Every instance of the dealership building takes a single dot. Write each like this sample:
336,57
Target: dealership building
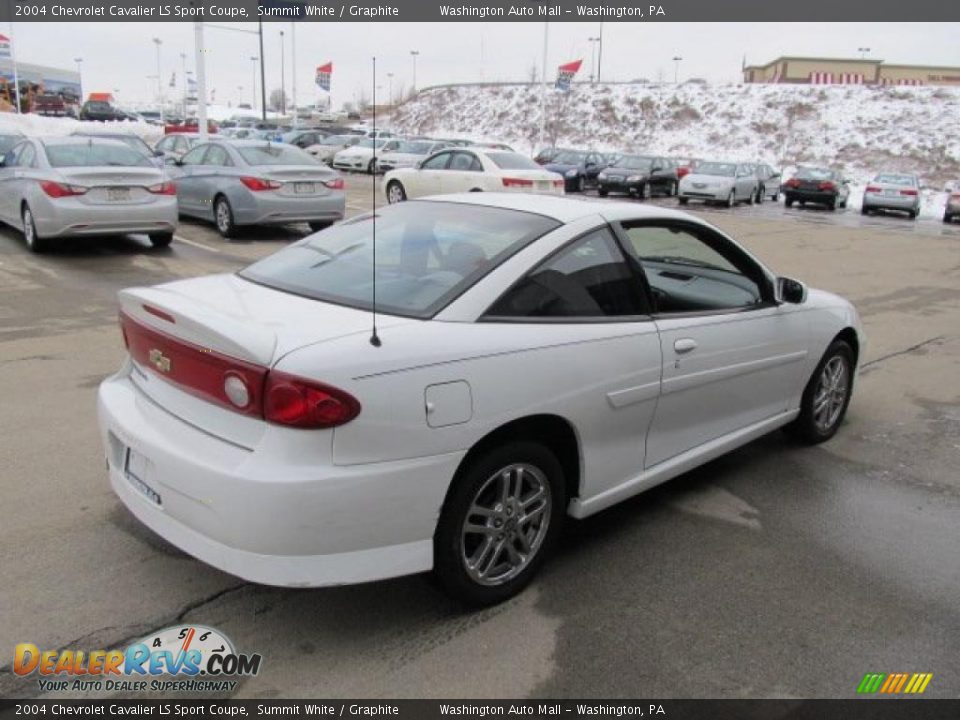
42,78
840,71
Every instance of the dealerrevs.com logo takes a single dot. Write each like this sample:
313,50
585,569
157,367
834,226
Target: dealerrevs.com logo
178,658
894,683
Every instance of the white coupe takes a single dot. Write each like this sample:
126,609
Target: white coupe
533,358
470,169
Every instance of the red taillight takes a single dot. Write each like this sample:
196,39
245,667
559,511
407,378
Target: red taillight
793,182
873,189
955,196
238,385
911,193
61,190
681,171
517,182
827,185
293,401
337,184
558,183
164,188
259,184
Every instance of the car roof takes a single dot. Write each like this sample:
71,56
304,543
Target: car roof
562,209
78,140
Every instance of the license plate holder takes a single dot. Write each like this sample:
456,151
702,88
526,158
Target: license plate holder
118,194
304,188
136,467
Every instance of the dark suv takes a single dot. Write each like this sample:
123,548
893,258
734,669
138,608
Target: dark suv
821,186
640,175
101,110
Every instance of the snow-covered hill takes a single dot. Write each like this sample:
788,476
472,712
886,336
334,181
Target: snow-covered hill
861,128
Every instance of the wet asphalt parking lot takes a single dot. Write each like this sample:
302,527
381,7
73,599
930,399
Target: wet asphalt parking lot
776,571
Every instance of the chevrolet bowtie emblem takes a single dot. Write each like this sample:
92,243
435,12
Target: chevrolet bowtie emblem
159,361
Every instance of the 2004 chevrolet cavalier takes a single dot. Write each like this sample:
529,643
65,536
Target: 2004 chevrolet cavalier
539,357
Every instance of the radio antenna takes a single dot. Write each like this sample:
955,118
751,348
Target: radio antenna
374,338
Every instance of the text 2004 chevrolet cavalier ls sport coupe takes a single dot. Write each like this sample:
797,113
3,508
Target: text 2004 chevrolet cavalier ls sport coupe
540,357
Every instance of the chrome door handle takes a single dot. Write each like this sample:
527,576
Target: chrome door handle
684,345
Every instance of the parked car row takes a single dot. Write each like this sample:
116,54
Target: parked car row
96,184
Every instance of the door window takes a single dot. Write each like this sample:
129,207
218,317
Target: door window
465,161
693,269
589,279
216,155
194,157
437,162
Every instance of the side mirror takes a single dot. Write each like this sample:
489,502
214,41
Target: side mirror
158,153
656,168
790,291
418,165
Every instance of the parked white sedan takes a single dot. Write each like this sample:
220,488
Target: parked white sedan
470,169
533,358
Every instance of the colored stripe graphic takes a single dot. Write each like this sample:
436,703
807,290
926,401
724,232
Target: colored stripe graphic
894,683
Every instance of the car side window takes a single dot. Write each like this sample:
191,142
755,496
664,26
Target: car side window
182,145
27,156
216,155
12,158
588,279
194,157
437,162
465,161
693,269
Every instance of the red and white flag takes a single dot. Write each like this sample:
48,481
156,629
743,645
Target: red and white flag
323,76
5,47
565,74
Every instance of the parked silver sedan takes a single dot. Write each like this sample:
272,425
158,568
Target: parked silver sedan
720,182
892,191
71,186
255,182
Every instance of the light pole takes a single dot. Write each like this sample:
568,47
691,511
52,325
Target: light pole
254,59
283,79
390,89
158,42
293,69
599,51
413,54
79,62
676,69
183,60
593,52
863,52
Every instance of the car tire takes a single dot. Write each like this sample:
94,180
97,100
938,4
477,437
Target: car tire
674,189
35,243
832,205
760,195
602,191
581,184
913,214
319,225
161,240
947,217
864,210
372,167
395,192
498,574
752,200
788,202
645,191
776,196
731,199
815,425
683,200
223,217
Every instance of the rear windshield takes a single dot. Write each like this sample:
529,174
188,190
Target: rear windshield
814,174
95,154
714,168
414,148
428,253
275,155
134,143
569,158
891,179
512,161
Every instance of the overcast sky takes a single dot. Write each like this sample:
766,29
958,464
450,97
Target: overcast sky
120,56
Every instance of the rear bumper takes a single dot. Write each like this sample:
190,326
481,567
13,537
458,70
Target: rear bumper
621,186
891,202
273,209
707,194
67,218
261,516
811,196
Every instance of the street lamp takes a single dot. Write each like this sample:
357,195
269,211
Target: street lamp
593,50
863,51
676,69
254,59
158,42
79,62
283,80
413,54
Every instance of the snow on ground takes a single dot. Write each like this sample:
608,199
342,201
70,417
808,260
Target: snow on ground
863,129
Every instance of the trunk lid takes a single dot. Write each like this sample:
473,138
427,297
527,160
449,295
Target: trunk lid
231,319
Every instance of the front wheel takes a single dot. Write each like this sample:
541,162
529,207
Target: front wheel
223,215
395,193
372,167
499,522
731,199
760,194
826,397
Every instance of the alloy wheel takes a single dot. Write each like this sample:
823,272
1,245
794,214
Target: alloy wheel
29,230
506,524
831,393
223,217
395,194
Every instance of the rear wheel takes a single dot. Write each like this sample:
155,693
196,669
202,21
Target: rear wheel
223,215
775,196
731,199
645,191
581,184
161,240
826,396
602,191
788,202
947,217
35,243
913,214
395,192
832,205
760,193
683,200
499,522
319,225
864,210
